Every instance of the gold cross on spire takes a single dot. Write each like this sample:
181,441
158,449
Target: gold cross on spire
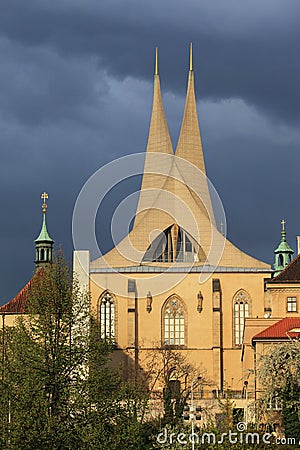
283,222
44,197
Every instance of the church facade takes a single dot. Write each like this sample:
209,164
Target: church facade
175,281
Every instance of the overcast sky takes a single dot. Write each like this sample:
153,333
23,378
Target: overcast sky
76,92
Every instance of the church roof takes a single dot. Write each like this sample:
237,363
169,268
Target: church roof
175,195
18,304
291,273
286,328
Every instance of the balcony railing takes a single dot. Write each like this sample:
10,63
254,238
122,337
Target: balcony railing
209,394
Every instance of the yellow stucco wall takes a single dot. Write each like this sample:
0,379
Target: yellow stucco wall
276,298
199,338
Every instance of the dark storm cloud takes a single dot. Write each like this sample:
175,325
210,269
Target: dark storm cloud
76,91
253,163
245,49
57,153
42,87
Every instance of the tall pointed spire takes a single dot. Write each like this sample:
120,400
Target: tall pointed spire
159,142
43,243
159,137
189,144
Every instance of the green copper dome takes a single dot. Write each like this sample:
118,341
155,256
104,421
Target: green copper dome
44,235
283,247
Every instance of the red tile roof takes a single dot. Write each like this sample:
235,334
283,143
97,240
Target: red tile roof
18,304
283,329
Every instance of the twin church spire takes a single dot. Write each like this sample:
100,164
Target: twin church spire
174,196
174,220
189,145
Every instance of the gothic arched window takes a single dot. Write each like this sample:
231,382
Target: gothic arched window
107,316
241,307
173,244
173,321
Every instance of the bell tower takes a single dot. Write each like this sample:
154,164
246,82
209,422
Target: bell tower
283,253
43,243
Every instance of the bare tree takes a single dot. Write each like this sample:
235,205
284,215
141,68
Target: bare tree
169,376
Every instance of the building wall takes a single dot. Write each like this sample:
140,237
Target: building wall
9,319
206,344
276,297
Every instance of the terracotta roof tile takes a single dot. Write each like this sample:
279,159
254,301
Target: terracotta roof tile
18,304
283,329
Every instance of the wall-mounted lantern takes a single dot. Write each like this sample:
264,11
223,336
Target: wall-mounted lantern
149,302
200,302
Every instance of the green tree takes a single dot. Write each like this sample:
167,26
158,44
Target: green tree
290,410
55,378
58,388
279,375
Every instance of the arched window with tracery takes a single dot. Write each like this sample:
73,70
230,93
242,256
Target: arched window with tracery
174,244
107,316
173,321
241,310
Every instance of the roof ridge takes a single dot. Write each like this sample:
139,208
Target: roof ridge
18,303
293,262
279,326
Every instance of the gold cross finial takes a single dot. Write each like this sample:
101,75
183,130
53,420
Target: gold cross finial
44,197
283,222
